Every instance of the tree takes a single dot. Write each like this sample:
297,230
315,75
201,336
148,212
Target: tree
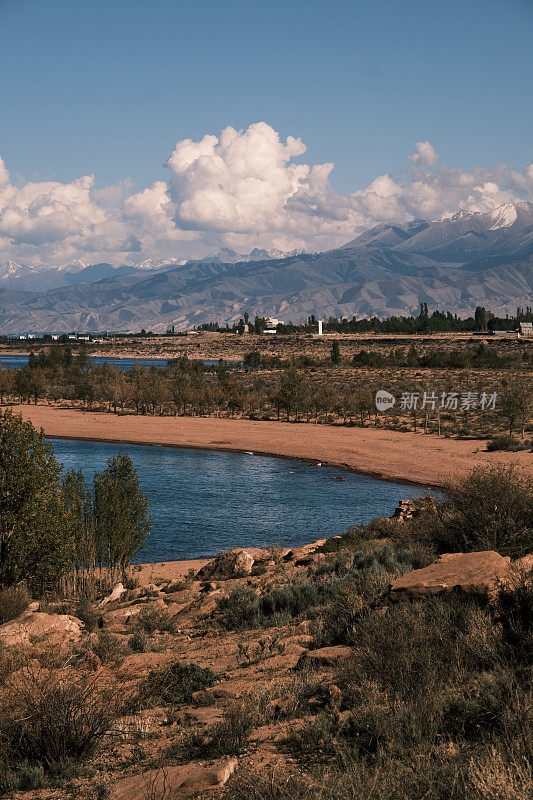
335,353
120,510
252,360
480,315
515,404
35,540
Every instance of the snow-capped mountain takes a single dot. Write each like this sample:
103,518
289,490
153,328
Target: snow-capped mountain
454,264
228,256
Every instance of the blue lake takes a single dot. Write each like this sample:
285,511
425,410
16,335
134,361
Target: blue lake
18,360
204,501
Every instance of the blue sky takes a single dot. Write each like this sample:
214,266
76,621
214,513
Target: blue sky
109,88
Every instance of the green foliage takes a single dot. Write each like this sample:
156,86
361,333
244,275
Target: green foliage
491,508
513,611
13,602
120,511
507,443
51,527
109,648
155,619
175,683
35,539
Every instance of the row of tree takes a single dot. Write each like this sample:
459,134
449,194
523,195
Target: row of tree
298,390
424,322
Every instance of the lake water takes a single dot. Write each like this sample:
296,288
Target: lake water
203,501
18,360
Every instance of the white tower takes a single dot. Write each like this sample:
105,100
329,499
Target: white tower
320,321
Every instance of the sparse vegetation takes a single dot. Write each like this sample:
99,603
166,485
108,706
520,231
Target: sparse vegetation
13,602
175,683
51,717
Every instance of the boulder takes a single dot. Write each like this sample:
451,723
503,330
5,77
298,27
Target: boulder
227,565
302,552
174,783
116,594
122,617
213,693
476,573
325,657
36,625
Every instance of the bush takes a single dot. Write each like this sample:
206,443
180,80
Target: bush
49,718
175,683
20,778
478,708
513,610
139,642
508,443
239,609
155,619
109,648
13,602
85,611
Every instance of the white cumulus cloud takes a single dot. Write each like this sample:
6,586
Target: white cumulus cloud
240,189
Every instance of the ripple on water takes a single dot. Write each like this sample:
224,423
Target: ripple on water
204,501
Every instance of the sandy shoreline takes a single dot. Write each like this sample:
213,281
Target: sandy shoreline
402,457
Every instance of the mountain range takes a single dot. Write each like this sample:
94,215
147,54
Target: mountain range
456,264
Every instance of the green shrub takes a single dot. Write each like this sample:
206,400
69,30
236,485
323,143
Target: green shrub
85,611
508,443
139,642
239,609
21,777
175,683
155,619
13,602
109,648
479,707
513,610
491,508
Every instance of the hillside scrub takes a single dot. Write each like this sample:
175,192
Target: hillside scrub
433,704
490,508
50,717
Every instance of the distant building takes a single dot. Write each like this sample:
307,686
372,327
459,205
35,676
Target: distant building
526,329
271,322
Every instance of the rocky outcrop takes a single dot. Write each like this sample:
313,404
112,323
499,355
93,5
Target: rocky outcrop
325,657
33,626
300,554
233,564
115,595
174,783
409,509
476,573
